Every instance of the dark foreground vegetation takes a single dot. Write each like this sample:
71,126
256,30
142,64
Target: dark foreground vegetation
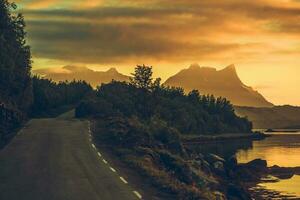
143,122
15,65
51,98
21,95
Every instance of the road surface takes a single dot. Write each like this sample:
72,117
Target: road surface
53,159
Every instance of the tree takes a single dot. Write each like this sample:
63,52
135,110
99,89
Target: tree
142,77
15,59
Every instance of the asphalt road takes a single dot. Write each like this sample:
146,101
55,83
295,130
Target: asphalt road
53,159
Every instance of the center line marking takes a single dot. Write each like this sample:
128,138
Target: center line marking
122,179
112,169
137,194
99,154
104,161
93,146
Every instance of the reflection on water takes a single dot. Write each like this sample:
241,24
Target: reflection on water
280,149
285,187
225,149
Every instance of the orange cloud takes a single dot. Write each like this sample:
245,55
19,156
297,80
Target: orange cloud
41,4
257,35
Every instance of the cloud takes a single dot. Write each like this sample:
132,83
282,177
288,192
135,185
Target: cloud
117,31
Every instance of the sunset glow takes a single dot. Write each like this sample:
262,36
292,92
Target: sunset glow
261,37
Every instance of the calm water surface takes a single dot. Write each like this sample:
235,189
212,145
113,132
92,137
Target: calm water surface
282,149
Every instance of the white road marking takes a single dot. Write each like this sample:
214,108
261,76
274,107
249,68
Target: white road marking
99,154
124,181
137,194
90,139
112,169
93,146
104,161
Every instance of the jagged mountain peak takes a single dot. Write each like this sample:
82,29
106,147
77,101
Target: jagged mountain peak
230,67
75,68
112,70
70,72
225,83
194,66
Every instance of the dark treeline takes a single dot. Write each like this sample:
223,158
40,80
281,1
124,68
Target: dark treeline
15,64
146,99
20,94
49,95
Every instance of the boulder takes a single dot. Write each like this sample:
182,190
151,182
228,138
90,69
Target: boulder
257,164
212,158
206,167
219,196
237,192
219,169
219,166
231,163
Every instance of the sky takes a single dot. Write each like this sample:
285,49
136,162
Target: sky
261,37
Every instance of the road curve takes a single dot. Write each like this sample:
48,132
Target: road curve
53,159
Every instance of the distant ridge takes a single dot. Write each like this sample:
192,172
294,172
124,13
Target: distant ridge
70,73
286,117
225,83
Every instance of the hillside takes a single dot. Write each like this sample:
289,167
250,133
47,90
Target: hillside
142,125
225,83
276,117
70,73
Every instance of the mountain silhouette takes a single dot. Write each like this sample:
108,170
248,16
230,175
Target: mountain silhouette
225,83
70,73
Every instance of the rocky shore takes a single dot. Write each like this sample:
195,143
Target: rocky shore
239,181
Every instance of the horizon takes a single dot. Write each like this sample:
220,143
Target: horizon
61,70
260,37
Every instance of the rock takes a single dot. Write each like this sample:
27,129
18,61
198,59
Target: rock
199,156
212,158
219,166
258,164
206,167
219,196
231,163
237,192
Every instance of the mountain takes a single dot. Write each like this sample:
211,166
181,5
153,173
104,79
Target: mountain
70,73
276,117
225,83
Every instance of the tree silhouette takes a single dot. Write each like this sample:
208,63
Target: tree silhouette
146,99
142,77
15,58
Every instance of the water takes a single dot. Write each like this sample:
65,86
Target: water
289,187
282,149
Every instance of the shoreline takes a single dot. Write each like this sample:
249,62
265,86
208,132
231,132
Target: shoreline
200,139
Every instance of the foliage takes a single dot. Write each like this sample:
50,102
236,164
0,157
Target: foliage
142,122
142,77
49,95
15,59
189,114
15,65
